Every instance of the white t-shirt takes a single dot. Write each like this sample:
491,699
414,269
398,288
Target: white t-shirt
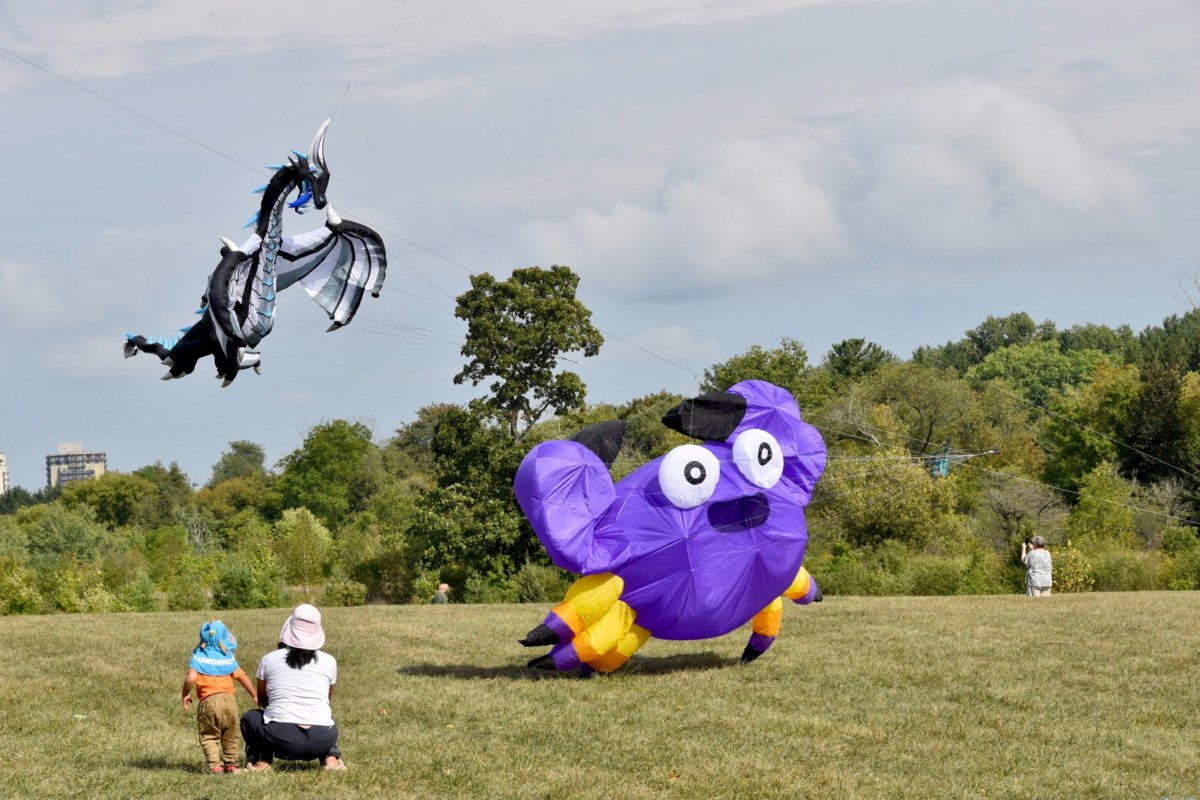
298,695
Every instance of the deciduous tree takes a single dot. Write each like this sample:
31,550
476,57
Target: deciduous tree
517,330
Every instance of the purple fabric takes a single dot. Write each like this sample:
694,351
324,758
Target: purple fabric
555,623
565,658
689,573
811,594
760,642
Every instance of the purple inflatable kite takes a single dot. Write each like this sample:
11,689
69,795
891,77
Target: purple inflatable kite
689,546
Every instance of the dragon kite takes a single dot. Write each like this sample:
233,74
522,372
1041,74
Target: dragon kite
336,264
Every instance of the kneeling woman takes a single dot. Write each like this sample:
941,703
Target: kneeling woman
295,683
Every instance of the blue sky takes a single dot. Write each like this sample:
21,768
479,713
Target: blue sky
720,175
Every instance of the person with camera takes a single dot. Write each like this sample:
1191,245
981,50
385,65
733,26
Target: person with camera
1038,566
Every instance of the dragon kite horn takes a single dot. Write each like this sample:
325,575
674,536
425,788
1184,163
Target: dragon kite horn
316,151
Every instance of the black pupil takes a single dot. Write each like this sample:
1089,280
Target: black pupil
694,473
764,453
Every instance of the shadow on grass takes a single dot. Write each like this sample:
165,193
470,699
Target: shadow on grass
662,665
170,764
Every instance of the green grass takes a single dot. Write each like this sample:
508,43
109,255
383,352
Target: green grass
1077,696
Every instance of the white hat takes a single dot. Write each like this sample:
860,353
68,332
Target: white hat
303,628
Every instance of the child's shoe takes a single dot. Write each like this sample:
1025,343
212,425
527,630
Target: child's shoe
216,769
231,769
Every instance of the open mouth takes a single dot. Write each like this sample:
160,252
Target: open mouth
739,514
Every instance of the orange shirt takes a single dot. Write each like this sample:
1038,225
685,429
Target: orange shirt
215,684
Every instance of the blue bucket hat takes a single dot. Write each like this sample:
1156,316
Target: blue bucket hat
214,654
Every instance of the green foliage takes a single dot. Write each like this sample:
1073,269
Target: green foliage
18,588
1178,539
892,568
53,530
1073,571
333,473
517,330
1039,368
344,592
490,589
114,498
1103,513
303,546
786,366
540,583
854,359
1086,424
249,579
170,498
14,542
255,493
1119,569
243,459
914,509
1154,430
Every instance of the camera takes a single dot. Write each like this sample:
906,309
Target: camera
1028,541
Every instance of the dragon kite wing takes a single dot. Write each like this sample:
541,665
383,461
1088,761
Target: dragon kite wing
336,265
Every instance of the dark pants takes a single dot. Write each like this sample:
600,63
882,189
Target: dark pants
286,739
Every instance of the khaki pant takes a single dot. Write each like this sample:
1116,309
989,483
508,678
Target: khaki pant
1037,591
217,718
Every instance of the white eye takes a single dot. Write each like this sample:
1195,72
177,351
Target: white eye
688,475
758,457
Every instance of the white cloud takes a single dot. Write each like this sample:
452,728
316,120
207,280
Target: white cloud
962,170
734,212
971,169
83,38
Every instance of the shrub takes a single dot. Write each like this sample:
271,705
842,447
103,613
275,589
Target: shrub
142,595
344,592
1072,570
1116,569
538,583
249,581
1178,539
18,592
490,589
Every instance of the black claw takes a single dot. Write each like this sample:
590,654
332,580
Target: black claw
539,637
749,654
542,662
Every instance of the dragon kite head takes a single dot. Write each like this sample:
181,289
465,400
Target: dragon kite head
312,174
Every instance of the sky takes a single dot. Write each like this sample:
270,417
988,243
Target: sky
720,175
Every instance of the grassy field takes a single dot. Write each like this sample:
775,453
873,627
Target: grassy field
1078,696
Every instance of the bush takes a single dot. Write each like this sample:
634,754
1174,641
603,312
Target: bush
1116,569
344,592
18,592
538,583
249,582
1073,571
1178,539
1184,572
142,595
491,589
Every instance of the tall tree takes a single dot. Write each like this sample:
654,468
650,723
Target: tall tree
517,329
852,359
241,460
334,473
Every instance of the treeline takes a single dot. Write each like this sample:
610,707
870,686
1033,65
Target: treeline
939,466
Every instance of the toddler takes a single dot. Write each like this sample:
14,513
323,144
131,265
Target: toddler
212,672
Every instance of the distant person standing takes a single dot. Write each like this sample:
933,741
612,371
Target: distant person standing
440,598
1038,567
